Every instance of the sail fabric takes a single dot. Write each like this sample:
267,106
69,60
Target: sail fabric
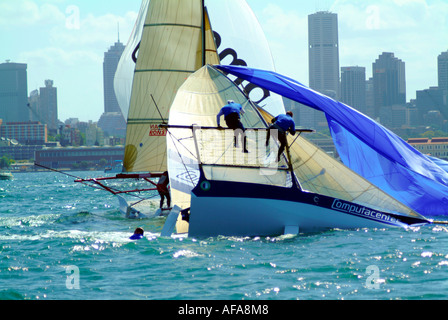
236,32
126,65
197,103
241,41
195,107
366,147
322,174
170,50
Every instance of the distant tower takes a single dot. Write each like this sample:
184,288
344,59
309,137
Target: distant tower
389,81
324,53
442,68
353,87
111,59
112,121
14,93
48,105
323,48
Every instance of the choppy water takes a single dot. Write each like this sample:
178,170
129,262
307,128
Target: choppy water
62,240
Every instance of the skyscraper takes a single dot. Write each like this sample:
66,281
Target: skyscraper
111,59
353,87
389,82
442,68
112,120
14,93
323,56
48,106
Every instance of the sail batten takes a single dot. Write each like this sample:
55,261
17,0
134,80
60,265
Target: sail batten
172,25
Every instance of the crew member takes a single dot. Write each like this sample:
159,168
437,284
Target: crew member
162,188
283,123
231,113
138,234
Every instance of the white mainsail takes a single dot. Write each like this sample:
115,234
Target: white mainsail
240,40
125,69
170,50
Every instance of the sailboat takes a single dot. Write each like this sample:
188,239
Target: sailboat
6,175
172,39
222,191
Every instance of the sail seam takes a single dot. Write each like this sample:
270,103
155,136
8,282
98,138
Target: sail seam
164,70
171,25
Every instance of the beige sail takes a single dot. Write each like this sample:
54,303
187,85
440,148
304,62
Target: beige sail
170,50
198,102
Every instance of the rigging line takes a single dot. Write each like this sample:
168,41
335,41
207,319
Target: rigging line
142,199
186,138
85,182
179,140
112,190
58,171
161,117
180,156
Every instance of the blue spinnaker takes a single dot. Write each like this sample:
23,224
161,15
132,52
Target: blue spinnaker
365,146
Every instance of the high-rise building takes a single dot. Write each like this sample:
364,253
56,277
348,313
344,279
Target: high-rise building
389,82
48,106
370,101
112,120
323,56
14,92
110,64
442,68
428,100
353,87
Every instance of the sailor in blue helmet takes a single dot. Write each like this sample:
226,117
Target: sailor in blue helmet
231,113
138,234
282,123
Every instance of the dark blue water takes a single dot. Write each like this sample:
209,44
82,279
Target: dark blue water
62,240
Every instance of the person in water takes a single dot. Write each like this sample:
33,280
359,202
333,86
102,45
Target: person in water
283,123
231,113
162,188
138,234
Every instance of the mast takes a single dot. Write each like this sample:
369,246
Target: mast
204,49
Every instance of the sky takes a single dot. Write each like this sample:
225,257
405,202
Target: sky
65,40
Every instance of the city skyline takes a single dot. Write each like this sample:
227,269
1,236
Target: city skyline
66,42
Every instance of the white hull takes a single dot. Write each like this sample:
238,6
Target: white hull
5,175
266,217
